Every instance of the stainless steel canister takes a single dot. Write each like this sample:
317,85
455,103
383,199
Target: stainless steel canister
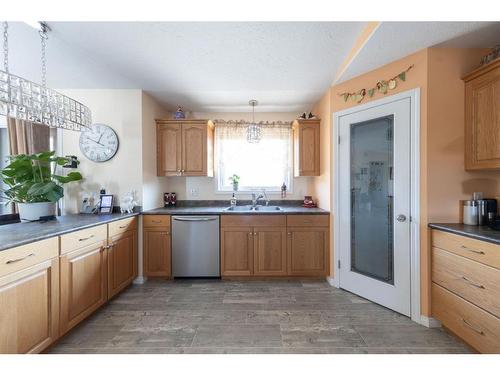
470,212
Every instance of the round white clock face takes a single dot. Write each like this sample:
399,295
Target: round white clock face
99,143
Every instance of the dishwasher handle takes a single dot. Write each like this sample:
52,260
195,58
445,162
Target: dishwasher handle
177,218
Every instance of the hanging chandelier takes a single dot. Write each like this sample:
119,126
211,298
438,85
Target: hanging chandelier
23,99
254,130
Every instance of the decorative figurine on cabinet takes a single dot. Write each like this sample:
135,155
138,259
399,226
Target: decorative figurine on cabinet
179,114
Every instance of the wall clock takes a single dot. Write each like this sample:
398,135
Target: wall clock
99,143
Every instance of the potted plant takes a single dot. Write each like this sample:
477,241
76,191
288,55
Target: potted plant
33,183
235,180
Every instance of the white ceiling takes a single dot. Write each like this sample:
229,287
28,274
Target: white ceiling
218,67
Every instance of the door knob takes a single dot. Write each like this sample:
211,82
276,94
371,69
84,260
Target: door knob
401,218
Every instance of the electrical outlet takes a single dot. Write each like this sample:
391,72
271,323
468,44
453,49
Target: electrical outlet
195,192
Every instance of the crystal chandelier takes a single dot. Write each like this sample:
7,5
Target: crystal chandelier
254,130
26,100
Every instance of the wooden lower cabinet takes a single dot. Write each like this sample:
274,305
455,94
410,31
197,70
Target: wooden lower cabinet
83,283
157,252
270,252
122,261
237,251
308,249
29,308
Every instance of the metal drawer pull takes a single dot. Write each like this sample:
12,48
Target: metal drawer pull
156,221
473,283
86,238
477,330
123,226
472,250
20,259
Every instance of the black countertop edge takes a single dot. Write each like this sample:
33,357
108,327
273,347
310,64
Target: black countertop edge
18,234
482,233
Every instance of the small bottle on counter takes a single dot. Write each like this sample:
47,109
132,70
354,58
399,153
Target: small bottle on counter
233,201
283,191
173,199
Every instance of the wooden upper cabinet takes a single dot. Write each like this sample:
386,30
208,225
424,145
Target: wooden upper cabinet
306,135
185,148
482,117
29,302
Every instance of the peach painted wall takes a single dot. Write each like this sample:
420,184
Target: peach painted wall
437,72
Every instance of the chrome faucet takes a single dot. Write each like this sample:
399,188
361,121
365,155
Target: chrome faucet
255,198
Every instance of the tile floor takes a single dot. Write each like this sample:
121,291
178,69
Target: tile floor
212,316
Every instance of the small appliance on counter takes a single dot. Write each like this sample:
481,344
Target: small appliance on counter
479,210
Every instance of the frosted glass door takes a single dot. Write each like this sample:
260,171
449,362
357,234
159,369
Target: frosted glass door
372,154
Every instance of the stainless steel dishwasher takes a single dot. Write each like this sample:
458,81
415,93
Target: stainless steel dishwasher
195,246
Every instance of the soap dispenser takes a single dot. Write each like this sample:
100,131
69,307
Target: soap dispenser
233,201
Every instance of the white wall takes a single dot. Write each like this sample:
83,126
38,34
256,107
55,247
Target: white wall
152,186
206,187
122,110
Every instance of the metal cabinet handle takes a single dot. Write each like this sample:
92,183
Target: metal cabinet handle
477,330
19,259
86,238
156,221
473,250
167,233
289,233
473,283
123,226
194,218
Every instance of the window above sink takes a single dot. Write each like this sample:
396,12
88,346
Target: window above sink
263,165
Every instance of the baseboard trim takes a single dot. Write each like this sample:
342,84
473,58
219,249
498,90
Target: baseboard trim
332,281
429,322
139,280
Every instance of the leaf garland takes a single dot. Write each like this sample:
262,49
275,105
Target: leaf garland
382,86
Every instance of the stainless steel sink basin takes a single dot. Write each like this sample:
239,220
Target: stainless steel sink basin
268,208
249,208
238,208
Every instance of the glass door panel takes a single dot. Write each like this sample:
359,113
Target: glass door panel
372,187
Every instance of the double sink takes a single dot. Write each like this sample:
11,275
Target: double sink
250,208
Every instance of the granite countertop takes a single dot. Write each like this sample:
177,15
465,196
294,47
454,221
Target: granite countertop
12,235
217,208
482,233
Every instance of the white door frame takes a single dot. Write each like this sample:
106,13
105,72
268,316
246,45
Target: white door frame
414,96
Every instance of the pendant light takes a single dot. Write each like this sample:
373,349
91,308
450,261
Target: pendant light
254,130
23,99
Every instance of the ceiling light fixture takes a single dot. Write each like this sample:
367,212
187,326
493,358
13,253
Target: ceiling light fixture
254,130
23,99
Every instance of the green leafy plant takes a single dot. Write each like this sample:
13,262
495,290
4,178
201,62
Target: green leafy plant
235,179
33,178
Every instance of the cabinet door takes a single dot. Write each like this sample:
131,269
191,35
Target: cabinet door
169,149
157,252
122,261
194,149
270,252
308,251
83,283
482,121
29,308
237,251
306,148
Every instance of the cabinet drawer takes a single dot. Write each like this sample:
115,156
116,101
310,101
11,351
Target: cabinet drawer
474,325
307,220
84,237
480,251
253,220
473,281
156,220
21,257
121,226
